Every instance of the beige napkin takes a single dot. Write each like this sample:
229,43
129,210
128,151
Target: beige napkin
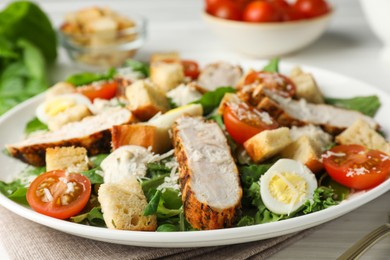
25,239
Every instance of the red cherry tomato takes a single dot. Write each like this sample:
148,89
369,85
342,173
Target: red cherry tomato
243,122
226,9
311,8
271,80
103,90
261,11
357,167
286,11
211,4
59,194
191,69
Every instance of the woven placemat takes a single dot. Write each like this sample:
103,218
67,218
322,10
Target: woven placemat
24,239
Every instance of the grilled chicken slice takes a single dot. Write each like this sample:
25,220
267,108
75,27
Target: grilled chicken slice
220,74
92,132
208,175
290,112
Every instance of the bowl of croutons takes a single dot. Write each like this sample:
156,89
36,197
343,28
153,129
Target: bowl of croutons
99,38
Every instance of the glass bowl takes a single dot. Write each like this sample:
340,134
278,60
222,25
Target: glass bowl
105,48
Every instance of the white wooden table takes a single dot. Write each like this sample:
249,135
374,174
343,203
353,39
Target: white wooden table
348,47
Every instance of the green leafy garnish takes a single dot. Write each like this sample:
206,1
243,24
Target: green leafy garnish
323,198
211,100
167,228
94,218
14,190
94,174
35,125
24,19
272,66
152,206
138,66
84,78
367,105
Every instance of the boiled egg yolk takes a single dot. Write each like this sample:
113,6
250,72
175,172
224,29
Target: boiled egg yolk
58,104
286,186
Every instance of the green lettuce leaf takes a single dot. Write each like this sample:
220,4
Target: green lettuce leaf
138,66
35,125
84,78
211,100
272,66
367,105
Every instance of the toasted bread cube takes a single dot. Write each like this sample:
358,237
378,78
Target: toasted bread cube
123,206
170,56
140,134
267,143
305,151
71,159
361,133
306,86
166,75
72,114
145,100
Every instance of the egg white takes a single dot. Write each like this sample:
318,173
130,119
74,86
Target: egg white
281,169
44,117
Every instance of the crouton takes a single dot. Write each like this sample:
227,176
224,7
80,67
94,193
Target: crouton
166,75
145,100
315,133
305,151
139,134
361,133
306,86
71,159
166,56
71,114
123,206
267,143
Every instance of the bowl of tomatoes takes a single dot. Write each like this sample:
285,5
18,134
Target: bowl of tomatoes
267,28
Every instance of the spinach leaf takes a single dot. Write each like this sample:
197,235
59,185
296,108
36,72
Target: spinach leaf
211,100
367,105
35,125
152,206
14,190
138,66
24,19
94,218
84,78
167,228
272,66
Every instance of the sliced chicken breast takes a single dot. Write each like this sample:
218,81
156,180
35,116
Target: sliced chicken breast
208,175
220,74
92,132
299,112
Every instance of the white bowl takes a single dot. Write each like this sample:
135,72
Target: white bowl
377,14
265,40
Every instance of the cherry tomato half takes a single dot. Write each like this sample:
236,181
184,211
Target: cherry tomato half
261,11
272,80
59,194
311,8
103,90
191,69
356,167
243,122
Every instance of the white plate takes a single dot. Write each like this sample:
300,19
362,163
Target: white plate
332,84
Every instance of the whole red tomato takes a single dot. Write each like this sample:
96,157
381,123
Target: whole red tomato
311,8
261,11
